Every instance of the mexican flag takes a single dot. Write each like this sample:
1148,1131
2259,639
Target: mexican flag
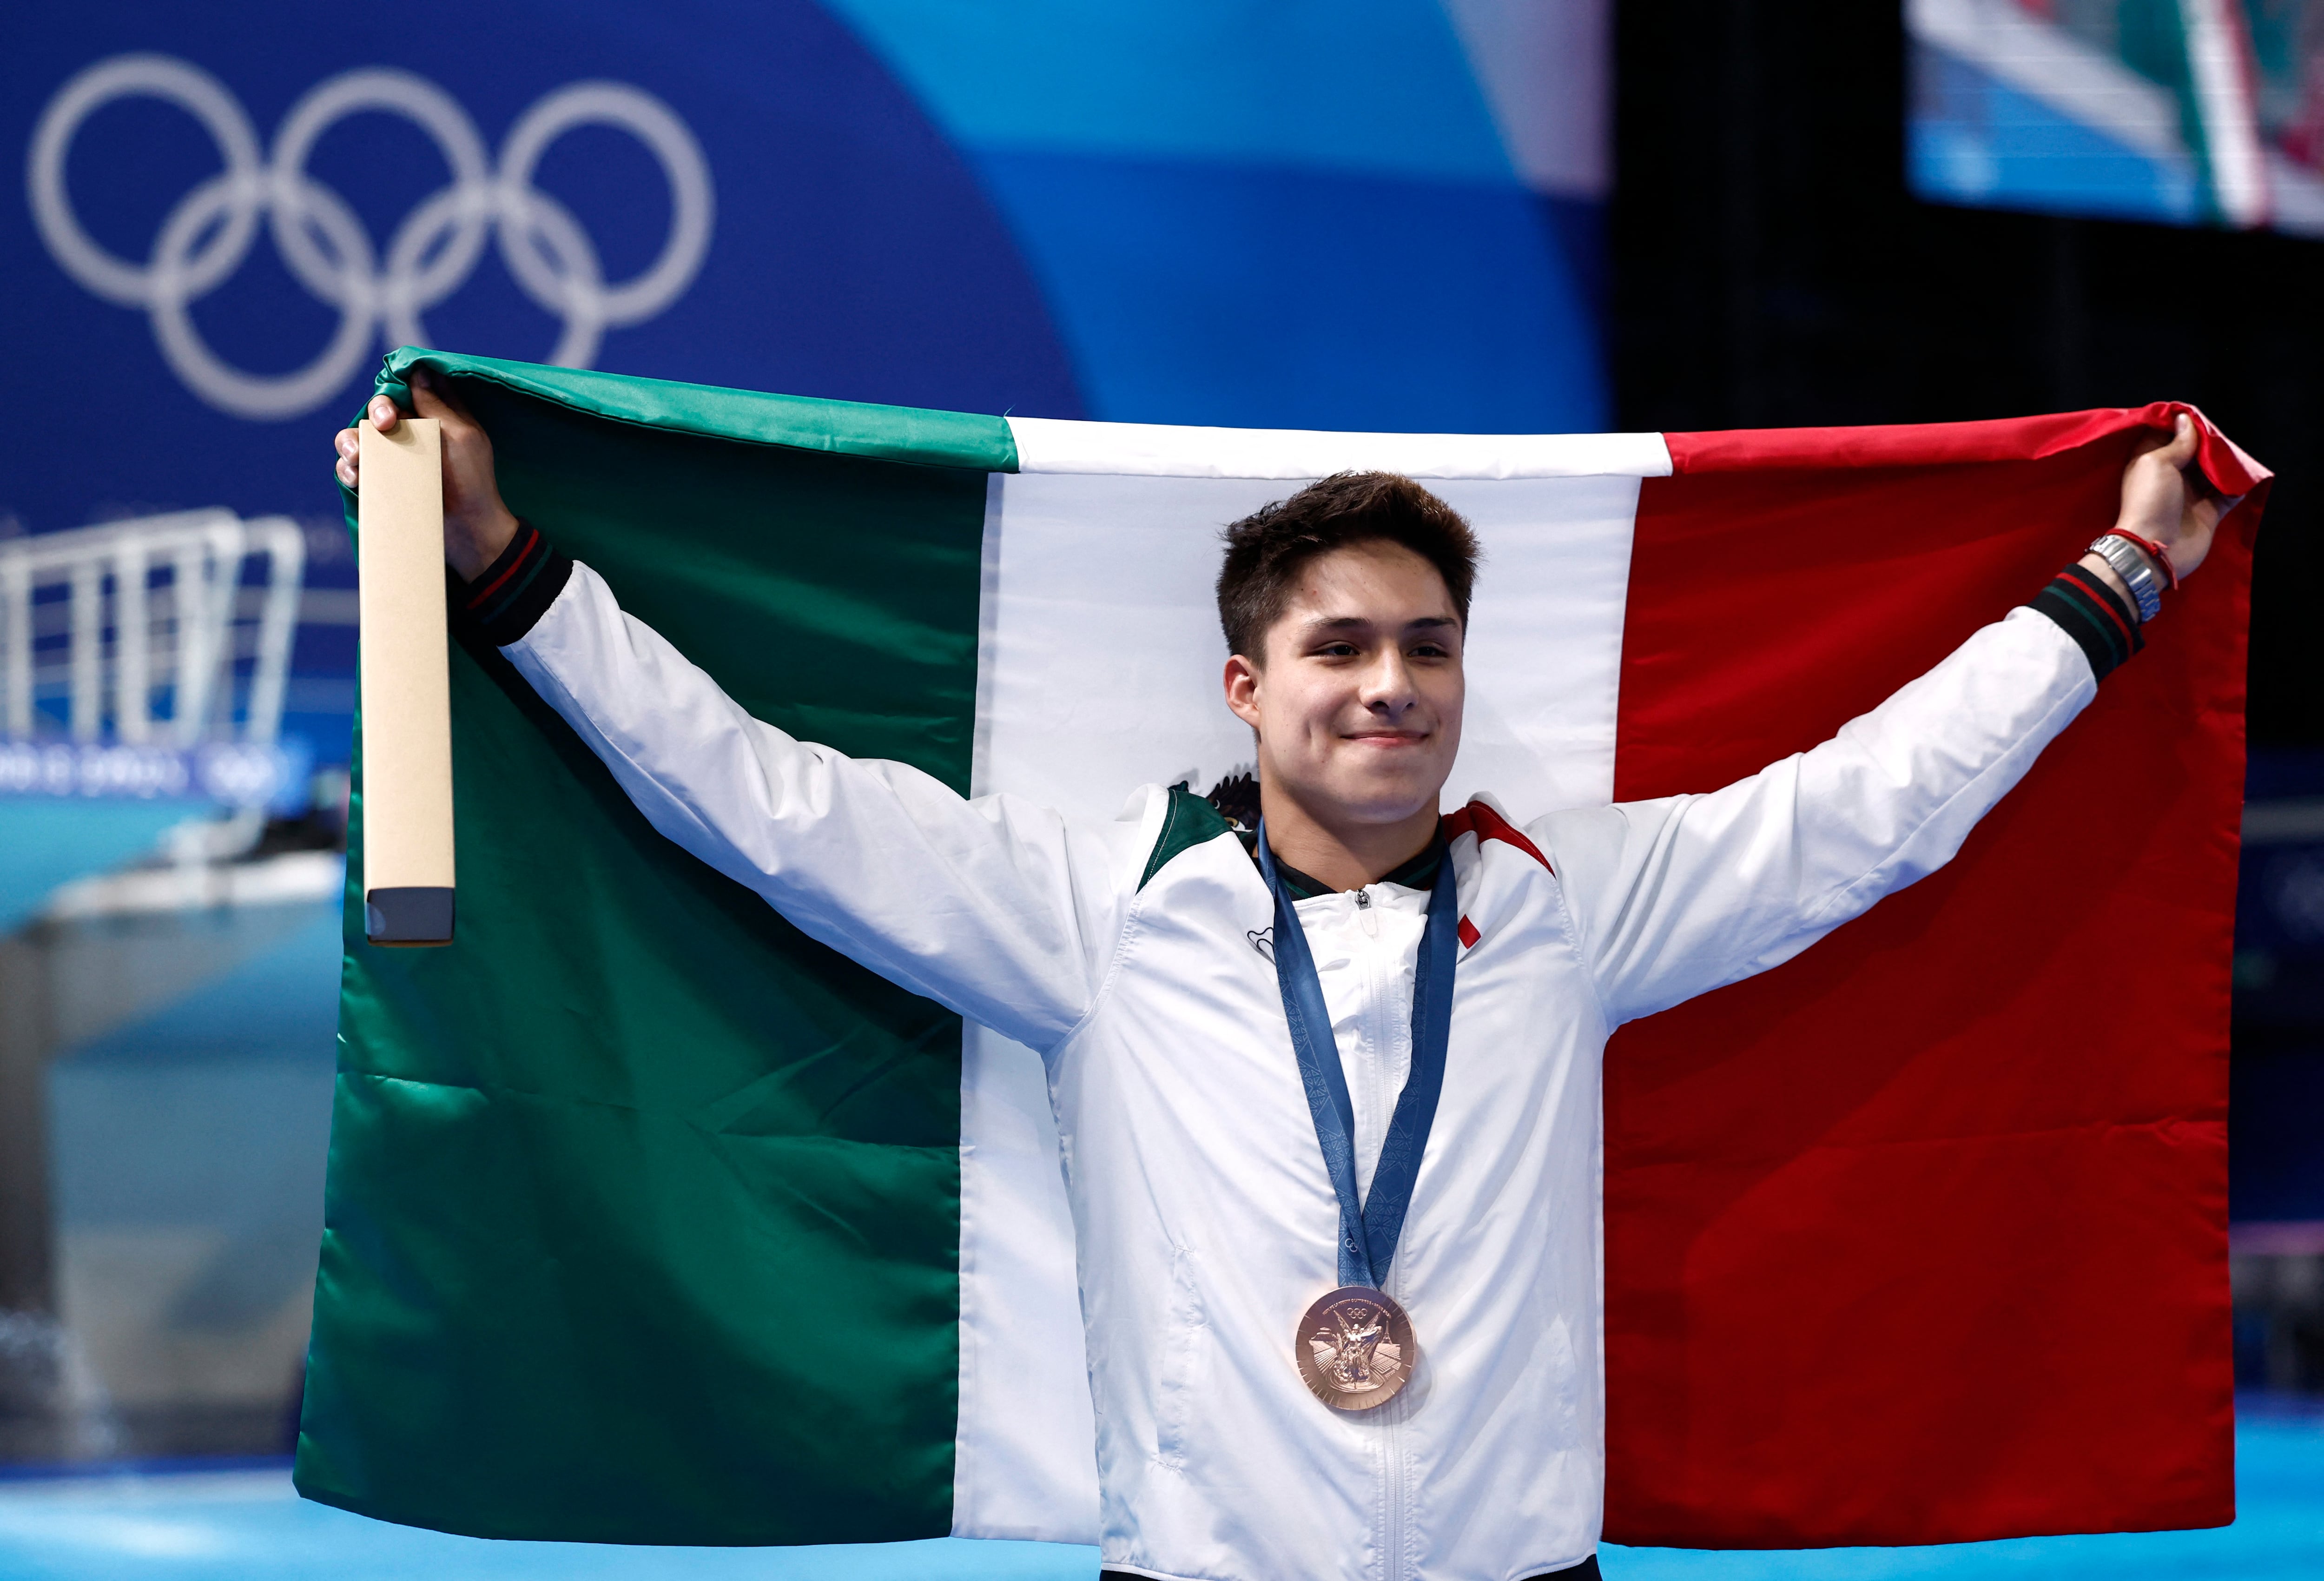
650,1220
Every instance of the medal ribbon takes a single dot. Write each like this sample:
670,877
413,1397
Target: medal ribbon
1368,1230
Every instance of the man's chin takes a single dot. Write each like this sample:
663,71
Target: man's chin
1381,805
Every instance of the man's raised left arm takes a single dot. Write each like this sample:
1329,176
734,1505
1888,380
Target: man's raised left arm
1679,895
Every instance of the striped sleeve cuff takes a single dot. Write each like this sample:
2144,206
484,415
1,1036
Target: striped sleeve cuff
514,591
2091,613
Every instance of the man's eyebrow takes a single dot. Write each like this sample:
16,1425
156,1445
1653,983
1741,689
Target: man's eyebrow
1341,623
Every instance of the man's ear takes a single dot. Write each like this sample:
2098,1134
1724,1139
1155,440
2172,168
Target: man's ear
1243,690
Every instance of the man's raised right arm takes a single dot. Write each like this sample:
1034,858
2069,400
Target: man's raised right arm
1000,910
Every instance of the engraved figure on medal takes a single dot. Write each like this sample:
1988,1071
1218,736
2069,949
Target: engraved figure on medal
1355,1348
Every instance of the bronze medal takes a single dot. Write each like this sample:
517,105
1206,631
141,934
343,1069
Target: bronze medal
1355,1348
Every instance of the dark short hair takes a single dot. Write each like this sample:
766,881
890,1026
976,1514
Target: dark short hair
1267,548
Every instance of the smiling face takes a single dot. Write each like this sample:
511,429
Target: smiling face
1357,701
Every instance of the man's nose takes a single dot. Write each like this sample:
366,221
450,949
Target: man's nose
1388,683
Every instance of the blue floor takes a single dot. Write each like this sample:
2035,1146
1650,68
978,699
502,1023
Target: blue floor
248,1526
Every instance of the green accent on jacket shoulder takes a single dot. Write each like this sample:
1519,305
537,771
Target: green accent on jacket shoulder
1191,821
843,427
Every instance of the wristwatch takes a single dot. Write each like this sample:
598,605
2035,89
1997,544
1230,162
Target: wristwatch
2131,564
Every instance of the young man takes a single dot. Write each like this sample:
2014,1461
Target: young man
1326,1088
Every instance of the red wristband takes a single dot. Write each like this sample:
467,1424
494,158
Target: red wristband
2153,551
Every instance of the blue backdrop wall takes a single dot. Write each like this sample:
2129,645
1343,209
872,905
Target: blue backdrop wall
1369,214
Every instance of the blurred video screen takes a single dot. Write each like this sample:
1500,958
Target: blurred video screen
2187,112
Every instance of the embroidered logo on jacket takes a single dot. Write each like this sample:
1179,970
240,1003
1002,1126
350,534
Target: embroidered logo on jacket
1262,939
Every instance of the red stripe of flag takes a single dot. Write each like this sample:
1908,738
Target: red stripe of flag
1921,1237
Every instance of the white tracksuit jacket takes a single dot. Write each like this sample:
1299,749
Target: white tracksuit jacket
1204,1221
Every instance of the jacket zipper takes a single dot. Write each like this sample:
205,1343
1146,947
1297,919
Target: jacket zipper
1378,1031
1393,1557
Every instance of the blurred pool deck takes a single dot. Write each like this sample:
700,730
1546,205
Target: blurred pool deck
248,1525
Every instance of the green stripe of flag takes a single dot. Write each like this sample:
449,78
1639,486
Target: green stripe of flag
643,1221
843,427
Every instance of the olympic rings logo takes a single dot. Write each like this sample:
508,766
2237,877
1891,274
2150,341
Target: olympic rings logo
327,249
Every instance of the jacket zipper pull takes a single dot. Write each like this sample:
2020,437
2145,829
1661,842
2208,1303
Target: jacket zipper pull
1364,911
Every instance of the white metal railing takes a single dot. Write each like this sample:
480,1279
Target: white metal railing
145,631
